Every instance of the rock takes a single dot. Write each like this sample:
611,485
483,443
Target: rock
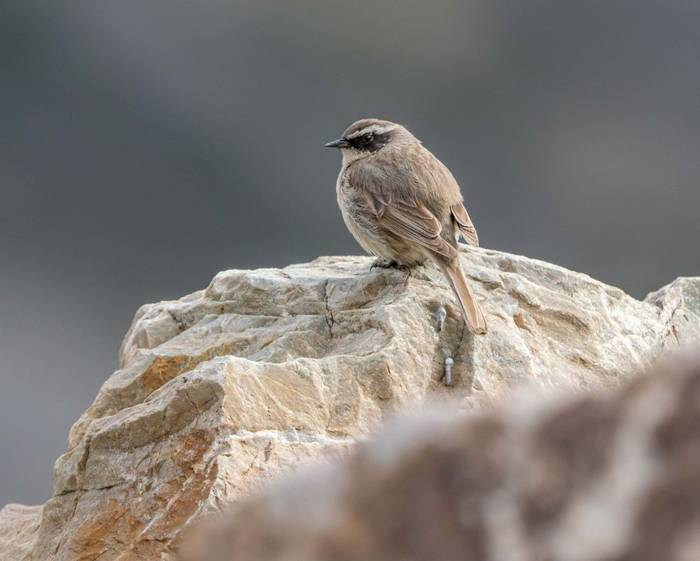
610,478
19,526
221,391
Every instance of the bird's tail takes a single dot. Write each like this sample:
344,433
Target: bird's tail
471,310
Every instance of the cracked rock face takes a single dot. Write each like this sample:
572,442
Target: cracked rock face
612,477
221,391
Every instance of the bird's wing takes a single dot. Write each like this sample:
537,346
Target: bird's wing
412,222
398,194
466,227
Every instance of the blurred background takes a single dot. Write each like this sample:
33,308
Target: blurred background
144,146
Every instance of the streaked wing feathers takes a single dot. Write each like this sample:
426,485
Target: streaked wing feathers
466,227
415,223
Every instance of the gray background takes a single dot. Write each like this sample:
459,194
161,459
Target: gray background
146,145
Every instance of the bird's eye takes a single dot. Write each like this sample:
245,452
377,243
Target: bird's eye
367,138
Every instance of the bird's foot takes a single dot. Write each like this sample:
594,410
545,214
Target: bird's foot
380,263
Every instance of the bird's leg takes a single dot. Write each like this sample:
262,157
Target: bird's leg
407,269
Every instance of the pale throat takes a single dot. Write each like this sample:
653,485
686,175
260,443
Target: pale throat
351,155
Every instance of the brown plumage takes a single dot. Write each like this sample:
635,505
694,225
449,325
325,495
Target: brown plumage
403,205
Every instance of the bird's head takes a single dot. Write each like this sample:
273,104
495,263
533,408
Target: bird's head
366,137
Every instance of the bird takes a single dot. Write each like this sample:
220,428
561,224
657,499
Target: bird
404,206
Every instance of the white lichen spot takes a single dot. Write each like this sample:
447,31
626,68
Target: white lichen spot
440,316
447,376
511,307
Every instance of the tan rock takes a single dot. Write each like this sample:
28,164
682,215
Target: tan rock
19,526
226,388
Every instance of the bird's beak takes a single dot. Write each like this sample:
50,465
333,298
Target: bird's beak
340,143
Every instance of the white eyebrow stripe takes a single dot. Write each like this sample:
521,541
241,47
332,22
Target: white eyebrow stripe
376,129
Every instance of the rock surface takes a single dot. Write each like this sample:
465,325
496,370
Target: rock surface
607,478
19,526
226,388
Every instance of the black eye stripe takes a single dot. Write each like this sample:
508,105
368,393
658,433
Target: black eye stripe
370,141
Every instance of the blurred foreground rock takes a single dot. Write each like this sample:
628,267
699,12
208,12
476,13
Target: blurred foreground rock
589,479
229,387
